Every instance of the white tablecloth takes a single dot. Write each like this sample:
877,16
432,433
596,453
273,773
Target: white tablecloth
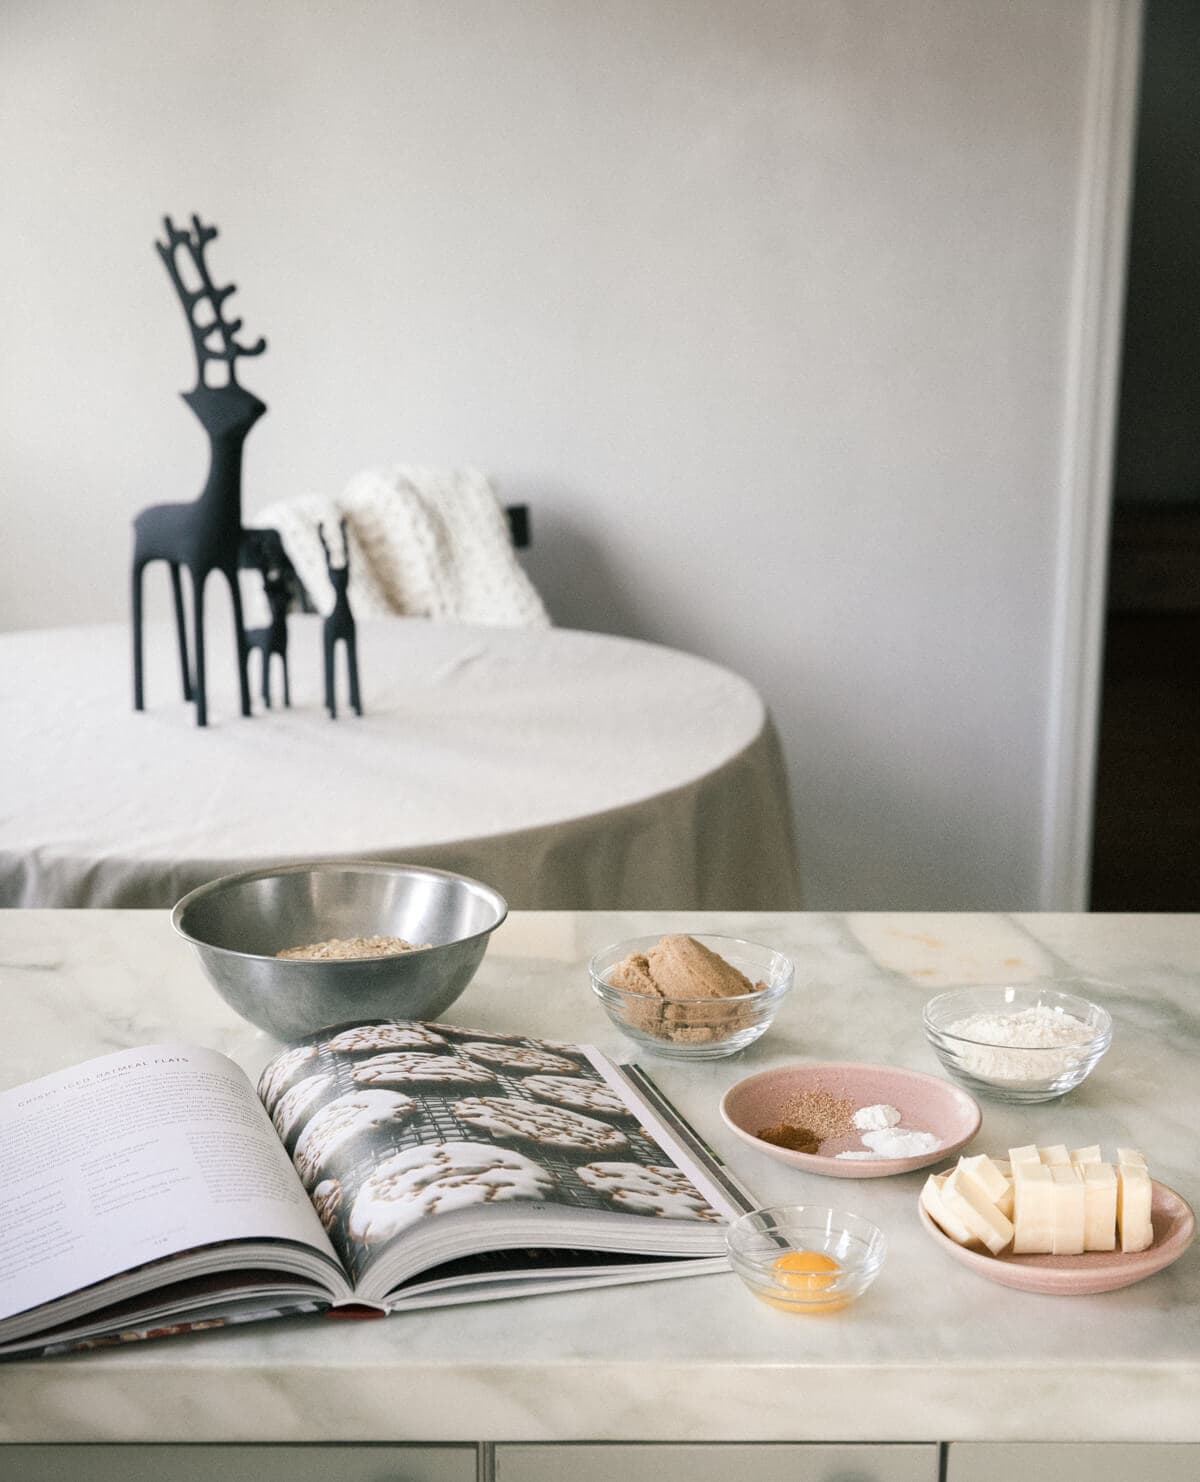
569,770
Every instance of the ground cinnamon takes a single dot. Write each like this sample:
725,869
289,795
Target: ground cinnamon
785,1135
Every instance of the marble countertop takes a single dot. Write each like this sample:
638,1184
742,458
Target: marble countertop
932,1352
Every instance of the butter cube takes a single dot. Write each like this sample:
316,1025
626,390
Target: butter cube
1133,1206
984,1176
962,1200
934,1206
1070,1209
1022,1157
1132,1156
1033,1208
1005,1202
1086,1155
1055,1155
1100,1206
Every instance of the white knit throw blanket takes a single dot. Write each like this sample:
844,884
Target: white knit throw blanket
421,541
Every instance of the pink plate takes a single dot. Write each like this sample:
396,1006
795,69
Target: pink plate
925,1104
1095,1270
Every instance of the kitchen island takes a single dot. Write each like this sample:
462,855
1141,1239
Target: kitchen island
934,1373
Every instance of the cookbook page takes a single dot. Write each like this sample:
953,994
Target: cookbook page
394,1124
133,1157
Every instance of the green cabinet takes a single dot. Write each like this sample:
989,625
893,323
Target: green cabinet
715,1462
1071,1461
265,1463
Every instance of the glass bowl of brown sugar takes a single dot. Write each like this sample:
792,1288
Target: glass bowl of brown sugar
691,997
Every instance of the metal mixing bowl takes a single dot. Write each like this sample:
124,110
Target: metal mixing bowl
238,923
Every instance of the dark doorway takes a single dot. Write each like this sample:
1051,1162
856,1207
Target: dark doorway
1146,837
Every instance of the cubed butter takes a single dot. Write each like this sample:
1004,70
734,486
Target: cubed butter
983,1176
1033,1208
934,1206
1133,1206
964,1203
1086,1155
1131,1156
1055,1155
1023,1158
1100,1206
1070,1207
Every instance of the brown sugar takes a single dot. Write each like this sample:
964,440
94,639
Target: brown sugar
680,985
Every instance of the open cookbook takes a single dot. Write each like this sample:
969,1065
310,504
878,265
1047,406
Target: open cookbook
376,1167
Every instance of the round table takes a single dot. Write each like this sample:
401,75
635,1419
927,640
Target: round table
569,770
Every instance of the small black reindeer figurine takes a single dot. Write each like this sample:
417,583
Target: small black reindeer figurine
204,535
273,639
340,624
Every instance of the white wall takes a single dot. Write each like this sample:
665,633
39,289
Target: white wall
761,304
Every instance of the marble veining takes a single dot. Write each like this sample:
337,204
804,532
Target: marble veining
932,1352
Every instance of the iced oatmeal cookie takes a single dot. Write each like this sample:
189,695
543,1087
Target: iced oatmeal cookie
341,1121
519,1059
438,1180
515,1120
294,1105
640,1189
280,1073
395,1036
327,1201
576,1093
415,1069
491,1036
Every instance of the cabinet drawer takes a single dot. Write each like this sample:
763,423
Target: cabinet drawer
265,1463
1046,1461
716,1462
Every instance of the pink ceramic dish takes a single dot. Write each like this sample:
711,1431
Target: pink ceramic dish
925,1104
1095,1270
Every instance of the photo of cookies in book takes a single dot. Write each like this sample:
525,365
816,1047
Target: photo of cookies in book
398,1122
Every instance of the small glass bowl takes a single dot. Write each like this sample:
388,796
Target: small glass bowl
765,1249
1010,1073
695,1028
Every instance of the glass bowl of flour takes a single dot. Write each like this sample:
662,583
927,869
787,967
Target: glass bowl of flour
1019,1043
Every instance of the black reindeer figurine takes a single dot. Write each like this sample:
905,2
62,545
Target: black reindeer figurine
273,639
340,624
204,535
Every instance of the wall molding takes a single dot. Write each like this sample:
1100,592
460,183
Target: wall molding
1085,476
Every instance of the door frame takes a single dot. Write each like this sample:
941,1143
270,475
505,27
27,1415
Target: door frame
1085,477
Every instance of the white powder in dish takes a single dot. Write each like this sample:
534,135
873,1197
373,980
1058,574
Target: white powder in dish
875,1118
884,1138
896,1142
1014,1047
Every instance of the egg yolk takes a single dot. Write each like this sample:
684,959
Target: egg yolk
807,1273
806,1270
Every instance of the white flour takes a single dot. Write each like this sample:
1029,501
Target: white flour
1017,1046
